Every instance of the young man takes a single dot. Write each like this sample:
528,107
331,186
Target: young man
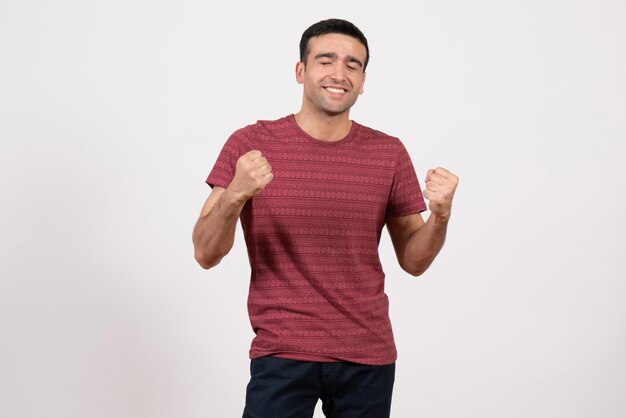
313,191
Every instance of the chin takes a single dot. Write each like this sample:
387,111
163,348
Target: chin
337,110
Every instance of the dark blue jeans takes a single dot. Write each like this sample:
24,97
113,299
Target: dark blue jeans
281,388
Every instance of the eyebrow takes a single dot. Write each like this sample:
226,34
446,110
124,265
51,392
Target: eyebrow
332,55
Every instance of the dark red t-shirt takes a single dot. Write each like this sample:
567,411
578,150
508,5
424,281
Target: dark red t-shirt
317,285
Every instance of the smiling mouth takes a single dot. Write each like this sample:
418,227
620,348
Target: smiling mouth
335,90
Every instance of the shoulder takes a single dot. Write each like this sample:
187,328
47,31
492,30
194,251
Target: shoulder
275,126
265,124
264,131
380,140
245,132
250,134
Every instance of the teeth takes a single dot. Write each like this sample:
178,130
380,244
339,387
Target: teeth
334,90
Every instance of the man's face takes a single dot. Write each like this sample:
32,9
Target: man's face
333,76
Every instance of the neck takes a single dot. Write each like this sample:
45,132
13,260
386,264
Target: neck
324,127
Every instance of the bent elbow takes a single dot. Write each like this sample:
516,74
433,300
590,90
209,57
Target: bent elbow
207,262
415,272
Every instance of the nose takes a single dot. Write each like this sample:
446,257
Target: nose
339,72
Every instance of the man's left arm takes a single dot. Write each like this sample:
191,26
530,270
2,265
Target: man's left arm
416,242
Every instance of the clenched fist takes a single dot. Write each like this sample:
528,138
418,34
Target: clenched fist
440,187
252,174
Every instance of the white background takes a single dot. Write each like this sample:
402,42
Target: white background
112,114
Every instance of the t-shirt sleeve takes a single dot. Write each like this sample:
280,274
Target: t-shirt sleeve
406,196
223,171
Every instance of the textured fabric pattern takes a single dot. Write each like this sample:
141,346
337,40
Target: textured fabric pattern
317,285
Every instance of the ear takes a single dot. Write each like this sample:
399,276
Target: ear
362,84
300,72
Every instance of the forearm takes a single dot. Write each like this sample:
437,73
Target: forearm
424,245
214,233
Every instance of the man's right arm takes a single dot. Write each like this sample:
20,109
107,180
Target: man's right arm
214,233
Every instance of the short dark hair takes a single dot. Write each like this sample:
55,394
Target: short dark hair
332,26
